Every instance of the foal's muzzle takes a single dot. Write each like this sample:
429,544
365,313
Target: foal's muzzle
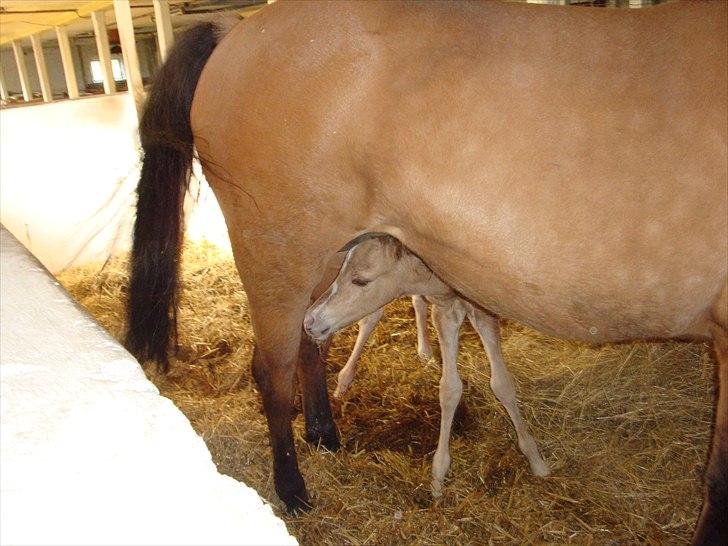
317,331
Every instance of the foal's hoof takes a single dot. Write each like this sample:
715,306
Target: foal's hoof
425,354
341,389
327,437
540,468
436,490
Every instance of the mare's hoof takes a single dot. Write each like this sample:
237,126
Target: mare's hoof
328,437
293,494
296,506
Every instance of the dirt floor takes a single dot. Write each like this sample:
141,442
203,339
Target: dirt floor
624,428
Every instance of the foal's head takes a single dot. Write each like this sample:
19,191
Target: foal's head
375,272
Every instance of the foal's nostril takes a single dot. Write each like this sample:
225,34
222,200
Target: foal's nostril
325,331
307,322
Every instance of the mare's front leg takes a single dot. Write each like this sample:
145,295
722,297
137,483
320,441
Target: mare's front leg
448,314
424,349
503,387
712,526
366,327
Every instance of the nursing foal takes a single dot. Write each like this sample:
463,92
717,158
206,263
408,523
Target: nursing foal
379,270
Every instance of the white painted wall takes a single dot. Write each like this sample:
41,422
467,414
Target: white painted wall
65,173
90,453
68,171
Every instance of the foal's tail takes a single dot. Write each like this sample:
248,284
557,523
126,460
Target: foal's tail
166,136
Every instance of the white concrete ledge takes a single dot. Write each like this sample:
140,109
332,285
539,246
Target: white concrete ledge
90,453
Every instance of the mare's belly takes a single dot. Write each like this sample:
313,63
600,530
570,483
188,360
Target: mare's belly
594,300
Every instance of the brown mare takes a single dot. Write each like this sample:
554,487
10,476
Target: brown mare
561,167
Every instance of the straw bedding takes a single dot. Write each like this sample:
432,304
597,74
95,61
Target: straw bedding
624,428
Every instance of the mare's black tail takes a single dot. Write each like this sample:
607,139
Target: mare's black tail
166,136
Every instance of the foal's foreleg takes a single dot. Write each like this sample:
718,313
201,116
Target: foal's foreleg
346,375
424,349
504,389
447,316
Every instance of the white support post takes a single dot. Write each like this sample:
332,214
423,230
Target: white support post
4,95
102,45
40,64
165,36
64,45
22,71
125,26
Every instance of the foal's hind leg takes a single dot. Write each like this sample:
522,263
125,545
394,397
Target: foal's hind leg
447,315
346,375
424,349
712,526
502,384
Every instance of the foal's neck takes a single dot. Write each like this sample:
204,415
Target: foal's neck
431,287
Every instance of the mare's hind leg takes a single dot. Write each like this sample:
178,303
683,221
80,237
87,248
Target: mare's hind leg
279,289
712,526
502,384
447,315
320,427
346,375
278,336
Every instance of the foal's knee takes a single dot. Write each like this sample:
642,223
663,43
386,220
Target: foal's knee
503,389
451,389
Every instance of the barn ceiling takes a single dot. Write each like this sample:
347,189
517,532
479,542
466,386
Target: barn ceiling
21,18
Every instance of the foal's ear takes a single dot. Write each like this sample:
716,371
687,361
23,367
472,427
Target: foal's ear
393,247
361,238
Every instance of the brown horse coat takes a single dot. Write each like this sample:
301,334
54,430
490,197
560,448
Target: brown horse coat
562,167
565,168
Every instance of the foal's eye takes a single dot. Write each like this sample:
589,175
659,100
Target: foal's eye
360,282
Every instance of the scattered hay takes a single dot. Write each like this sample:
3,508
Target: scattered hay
624,428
